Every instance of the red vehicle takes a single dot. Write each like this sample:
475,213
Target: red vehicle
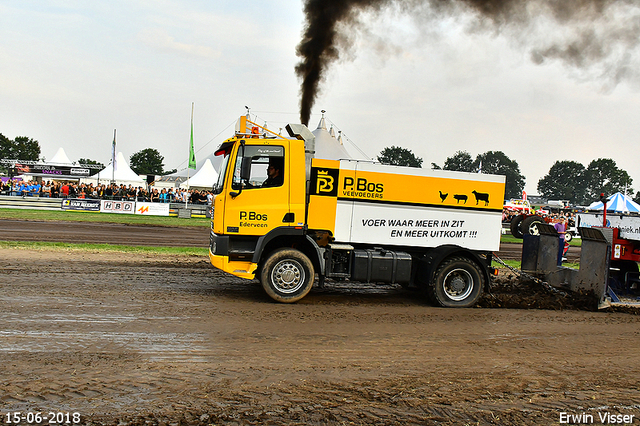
623,232
520,206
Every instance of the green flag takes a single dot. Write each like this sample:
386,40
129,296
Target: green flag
192,153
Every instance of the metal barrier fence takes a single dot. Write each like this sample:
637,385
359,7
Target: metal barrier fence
55,204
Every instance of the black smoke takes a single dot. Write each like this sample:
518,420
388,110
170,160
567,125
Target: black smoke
591,31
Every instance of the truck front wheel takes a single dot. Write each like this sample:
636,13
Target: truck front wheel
458,283
287,275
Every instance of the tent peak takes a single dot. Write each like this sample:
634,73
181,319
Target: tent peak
322,125
60,157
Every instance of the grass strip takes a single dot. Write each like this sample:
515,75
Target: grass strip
516,264
113,248
512,263
508,238
80,216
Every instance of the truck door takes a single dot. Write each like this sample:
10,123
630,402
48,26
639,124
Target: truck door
259,196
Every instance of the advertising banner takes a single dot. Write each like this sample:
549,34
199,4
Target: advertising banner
112,206
629,226
52,170
152,209
80,204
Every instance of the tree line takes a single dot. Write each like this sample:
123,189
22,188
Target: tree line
20,148
566,180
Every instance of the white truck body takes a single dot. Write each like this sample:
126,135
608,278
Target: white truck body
421,217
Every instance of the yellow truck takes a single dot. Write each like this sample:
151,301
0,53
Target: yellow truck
282,216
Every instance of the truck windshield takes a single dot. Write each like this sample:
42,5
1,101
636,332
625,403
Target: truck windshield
217,187
265,164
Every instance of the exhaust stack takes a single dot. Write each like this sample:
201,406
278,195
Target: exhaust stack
302,132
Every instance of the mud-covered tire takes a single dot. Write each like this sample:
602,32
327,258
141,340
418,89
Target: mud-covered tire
457,283
287,275
514,227
530,225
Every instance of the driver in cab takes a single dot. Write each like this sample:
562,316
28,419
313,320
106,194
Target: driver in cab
274,173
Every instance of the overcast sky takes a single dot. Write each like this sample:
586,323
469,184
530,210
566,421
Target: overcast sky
72,71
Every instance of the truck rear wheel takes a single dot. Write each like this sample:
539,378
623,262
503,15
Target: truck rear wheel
458,283
287,275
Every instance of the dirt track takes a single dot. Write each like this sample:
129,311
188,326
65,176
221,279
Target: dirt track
157,339
103,233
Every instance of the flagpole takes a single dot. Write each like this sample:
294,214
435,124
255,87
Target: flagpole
191,157
113,158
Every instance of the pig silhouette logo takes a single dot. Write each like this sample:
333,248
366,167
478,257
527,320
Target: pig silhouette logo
460,197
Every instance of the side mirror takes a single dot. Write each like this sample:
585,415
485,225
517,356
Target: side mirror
245,168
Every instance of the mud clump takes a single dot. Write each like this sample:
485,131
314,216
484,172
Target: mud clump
513,292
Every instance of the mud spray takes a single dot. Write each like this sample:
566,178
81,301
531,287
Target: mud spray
588,32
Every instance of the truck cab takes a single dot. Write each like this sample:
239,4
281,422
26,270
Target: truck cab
246,206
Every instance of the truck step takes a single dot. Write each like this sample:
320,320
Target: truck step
341,246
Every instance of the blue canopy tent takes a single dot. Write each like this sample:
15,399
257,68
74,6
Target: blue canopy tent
618,203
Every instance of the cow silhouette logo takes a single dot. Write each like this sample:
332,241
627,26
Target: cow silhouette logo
481,196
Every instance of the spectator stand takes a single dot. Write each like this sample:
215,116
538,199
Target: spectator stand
51,182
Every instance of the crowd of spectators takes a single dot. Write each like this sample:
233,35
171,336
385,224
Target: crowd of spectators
508,215
110,191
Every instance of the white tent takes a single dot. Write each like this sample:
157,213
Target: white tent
122,175
618,202
204,178
327,146
60,158
214,160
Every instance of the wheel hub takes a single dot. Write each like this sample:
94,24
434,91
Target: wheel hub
458,284
288,276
